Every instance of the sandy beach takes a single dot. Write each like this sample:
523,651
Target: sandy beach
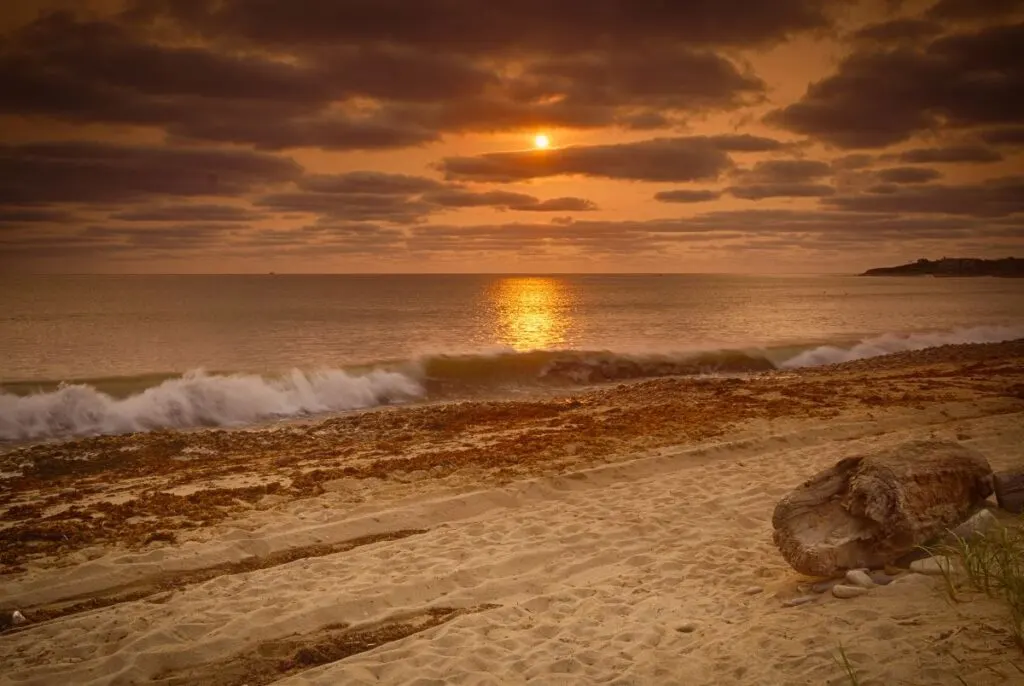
616,535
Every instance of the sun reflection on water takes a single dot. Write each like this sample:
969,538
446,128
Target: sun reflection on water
532,312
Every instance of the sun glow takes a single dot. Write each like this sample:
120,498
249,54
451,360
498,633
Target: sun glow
540,141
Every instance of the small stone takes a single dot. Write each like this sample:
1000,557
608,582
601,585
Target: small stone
687,628
980,522
753,590
801,600
860,578
934,565
841,591
824,586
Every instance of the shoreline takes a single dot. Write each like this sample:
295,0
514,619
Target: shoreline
41,411
168,527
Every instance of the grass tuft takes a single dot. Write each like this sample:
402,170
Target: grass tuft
843,660
992,563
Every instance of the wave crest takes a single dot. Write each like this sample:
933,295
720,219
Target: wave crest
197,399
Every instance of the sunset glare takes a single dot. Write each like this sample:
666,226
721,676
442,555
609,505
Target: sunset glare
541,141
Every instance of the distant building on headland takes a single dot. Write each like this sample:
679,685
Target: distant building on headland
955,266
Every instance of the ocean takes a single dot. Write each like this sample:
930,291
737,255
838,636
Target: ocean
86,355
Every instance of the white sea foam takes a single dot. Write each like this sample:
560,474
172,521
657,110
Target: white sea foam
197,399
894,343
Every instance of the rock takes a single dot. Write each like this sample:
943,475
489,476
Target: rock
801,600
753,590
868,510
824,586
980,522
687,628
1009,486
841,591
935,565
859,577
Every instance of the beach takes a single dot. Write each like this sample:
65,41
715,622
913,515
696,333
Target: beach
615,534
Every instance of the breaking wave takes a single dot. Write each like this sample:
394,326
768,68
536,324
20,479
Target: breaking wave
196,399
894,343
41,410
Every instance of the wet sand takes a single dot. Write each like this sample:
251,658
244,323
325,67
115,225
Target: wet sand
615,535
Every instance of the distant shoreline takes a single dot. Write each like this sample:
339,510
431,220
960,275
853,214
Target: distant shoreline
955,267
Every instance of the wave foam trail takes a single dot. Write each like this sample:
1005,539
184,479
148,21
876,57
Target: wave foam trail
197,399
894,343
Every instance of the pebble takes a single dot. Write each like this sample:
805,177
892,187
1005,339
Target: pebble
753,590
801,600
687,628
841,591
859,577
933,565
982,521
824,586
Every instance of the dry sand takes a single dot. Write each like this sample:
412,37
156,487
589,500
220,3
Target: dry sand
620,536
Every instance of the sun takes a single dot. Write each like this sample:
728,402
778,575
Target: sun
540,141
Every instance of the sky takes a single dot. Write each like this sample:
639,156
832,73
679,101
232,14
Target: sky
353,136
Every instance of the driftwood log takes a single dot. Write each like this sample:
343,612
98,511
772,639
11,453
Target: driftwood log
868,510
1010,490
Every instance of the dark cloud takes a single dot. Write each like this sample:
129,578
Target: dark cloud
908,174
108,55
246,72
661,159
99,172
1013,135
370,182
973,9
31,215
188,213
786,228
329,131
495,26
679,78
880,97
744,142
687,196
95,71
760,191
956,153
401,199
185,236
993,198
349,206
786,171
644,120
902,30
883,188
506,200
853,162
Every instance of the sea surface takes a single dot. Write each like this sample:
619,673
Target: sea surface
84,355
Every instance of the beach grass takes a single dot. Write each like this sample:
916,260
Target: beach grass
993,564
843,661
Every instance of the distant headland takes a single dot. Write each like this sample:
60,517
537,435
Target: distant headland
955,266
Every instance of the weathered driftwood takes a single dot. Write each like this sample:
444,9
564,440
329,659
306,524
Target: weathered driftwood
1010,490
867,511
